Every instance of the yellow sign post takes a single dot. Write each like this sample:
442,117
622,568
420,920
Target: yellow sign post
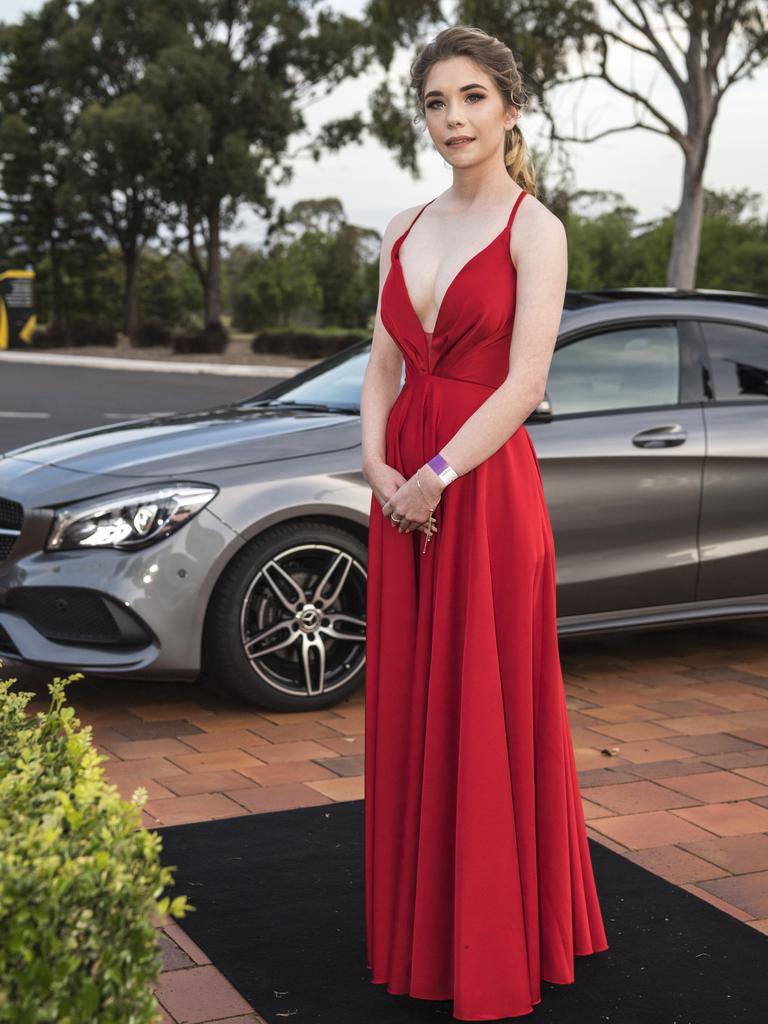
17,316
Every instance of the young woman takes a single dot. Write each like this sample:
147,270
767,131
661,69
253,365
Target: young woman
478,879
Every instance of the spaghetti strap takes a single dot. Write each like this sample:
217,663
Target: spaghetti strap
402,237
514,208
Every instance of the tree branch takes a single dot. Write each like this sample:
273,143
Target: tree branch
662,56
610,131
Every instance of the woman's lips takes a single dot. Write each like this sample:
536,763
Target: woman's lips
462,142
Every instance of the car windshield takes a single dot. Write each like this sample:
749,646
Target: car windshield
334,383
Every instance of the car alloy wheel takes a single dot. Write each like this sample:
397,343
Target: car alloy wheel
286,625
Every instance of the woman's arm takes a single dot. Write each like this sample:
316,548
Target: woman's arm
381,385
381,381
539,251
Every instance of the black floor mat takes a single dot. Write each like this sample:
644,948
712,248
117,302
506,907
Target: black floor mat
280,901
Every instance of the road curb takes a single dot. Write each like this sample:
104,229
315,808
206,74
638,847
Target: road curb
150,365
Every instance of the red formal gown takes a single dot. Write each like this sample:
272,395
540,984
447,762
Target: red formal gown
478,878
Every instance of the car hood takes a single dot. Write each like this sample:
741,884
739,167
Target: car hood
195,442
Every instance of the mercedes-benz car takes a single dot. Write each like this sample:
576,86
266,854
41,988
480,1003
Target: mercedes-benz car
230,544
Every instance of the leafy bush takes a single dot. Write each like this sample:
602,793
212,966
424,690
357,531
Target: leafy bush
153,331
211,338
79,877
90,331
305,344
54,335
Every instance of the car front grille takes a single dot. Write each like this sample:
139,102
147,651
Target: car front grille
11,521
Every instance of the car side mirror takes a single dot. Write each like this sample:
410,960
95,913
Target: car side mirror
543,411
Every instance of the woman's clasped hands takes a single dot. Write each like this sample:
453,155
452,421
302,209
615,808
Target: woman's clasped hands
410,503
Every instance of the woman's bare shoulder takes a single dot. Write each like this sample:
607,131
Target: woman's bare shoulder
536,229
400,222
397,226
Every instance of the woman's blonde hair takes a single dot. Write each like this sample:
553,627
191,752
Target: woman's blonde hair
499,62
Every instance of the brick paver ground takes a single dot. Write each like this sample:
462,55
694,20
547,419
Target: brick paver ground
670,731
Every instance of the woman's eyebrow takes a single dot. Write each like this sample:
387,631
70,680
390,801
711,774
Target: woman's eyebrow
437,92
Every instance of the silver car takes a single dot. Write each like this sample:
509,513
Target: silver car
230,544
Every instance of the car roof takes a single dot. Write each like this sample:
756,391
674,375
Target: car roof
582,309
579,299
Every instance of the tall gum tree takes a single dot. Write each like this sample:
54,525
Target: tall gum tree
703,47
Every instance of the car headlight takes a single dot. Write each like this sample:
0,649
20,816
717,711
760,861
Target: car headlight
128,519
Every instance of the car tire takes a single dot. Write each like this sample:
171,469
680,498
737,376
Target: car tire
262,641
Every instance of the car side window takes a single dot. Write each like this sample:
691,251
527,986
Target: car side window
738,357
618,369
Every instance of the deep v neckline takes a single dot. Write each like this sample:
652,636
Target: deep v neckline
459,272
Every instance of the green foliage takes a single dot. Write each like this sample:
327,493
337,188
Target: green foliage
79,877
611,249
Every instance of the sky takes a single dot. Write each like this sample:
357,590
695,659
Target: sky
644,167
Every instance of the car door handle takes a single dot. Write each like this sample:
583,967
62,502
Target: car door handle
660,437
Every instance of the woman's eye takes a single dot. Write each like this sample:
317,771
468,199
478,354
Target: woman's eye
471,95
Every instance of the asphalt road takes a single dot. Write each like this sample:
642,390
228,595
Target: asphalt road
37,401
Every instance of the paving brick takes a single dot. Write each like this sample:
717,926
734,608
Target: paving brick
173,957
651,828
713,787
137,750
637,796
216,760
352,765
640,751
278,798
622,713
306,730
675,864
604,777
199,994
734,854
225,739
181,810
301,750
709,897
288,771
592,810
730,819
127,784
663,769
711,743
345,744
159,729
341,789
682,708
740,758
735,701
206,782
636,730
752,733
148,767
758,774
183,941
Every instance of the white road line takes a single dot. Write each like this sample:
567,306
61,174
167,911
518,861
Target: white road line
136,415
12,415
151,365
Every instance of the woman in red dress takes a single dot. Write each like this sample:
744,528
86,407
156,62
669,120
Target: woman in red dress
478,879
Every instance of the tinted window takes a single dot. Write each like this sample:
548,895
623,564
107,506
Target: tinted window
621,369
739,360
335,381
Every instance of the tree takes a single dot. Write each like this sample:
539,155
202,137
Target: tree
231,98
703,47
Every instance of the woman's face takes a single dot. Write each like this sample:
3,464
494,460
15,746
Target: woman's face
461,100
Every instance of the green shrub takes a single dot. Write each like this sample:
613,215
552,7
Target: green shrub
80,878
152,331
213,337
